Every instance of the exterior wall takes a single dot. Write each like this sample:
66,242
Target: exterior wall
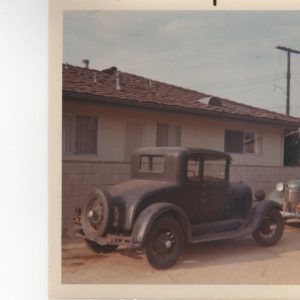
196,132
79,178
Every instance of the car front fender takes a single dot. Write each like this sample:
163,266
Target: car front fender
150,214
257,213
276,196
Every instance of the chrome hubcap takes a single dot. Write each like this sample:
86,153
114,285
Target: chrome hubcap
95,214
168,244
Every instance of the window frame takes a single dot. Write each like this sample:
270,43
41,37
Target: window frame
168,141
207,158
74,135
151,162
200,159
243,145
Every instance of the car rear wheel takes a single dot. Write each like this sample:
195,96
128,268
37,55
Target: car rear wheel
270,229
97,248
97,214
164,243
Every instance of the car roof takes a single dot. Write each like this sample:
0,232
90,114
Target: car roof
182,150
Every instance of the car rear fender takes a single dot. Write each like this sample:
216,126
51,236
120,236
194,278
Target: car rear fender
152,213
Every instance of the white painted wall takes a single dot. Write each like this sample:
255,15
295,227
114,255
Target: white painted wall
196,132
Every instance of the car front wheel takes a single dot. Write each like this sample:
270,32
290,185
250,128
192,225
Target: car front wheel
270,229
164,243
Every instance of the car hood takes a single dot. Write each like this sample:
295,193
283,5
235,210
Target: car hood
128,195
294,184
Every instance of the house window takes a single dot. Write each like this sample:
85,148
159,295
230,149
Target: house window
243,142
168,135
79,134
134,138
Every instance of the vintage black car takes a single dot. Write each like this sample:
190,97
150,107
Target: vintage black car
175,196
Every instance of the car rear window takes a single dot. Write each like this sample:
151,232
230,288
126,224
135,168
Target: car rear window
151,163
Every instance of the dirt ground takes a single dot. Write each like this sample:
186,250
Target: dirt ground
234,261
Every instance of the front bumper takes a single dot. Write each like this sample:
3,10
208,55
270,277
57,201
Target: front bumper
289,215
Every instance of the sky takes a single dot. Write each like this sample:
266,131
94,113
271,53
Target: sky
230,54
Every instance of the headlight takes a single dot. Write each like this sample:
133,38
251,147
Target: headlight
280,186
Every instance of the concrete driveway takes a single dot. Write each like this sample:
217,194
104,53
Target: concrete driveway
235,261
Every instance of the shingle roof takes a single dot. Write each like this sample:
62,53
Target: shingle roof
139,89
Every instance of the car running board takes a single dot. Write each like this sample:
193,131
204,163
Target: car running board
221,230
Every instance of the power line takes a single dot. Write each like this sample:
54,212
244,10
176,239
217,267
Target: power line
249,89
226,84
278,67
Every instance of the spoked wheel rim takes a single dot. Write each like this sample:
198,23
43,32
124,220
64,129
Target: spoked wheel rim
95,214
268,227
98,213
164,243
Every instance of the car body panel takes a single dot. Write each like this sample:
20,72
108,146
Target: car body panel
133,196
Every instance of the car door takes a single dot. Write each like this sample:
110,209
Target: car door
215,198
192,192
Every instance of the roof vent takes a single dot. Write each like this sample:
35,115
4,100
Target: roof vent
213,101
110,70
86,63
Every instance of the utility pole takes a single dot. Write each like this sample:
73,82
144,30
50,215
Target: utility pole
288,75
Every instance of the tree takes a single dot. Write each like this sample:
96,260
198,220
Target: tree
292,150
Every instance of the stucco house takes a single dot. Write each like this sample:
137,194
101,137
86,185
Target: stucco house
108,114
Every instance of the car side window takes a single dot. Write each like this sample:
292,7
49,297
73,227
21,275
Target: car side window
193,168
214,170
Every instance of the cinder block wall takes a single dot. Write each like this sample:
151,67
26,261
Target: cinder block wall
263,177
79,178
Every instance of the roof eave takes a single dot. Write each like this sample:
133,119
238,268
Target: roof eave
69,96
